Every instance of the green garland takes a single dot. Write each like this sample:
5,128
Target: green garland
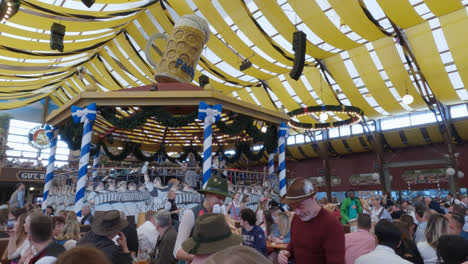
159,114
72,134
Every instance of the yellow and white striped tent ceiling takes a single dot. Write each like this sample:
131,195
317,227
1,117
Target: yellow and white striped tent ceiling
353,38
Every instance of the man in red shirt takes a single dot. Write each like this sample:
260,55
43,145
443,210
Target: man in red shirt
316,235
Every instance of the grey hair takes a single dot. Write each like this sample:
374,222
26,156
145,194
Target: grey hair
378,197
163,217
308,186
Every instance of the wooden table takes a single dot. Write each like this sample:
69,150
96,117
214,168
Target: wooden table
273,245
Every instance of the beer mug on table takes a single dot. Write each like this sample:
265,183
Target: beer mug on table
184,46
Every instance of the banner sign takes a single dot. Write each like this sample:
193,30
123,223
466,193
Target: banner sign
30,176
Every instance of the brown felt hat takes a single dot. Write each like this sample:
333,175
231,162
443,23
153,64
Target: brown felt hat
299,190
107,223
210,234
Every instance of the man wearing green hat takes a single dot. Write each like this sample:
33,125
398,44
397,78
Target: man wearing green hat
215,192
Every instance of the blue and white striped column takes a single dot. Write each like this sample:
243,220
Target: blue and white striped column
96,160
271,168
52,135
283,134
87,117
209,115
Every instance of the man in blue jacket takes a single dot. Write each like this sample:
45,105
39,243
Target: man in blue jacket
350,208
252,235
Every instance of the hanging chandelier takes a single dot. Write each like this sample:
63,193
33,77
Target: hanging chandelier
355,116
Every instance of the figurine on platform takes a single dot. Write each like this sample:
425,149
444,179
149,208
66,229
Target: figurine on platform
141,187
110,186
132,187
122,186
191,176
100,188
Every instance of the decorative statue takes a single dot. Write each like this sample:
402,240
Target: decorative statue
110,186
141,187
132,187
184,46
122,186
100,188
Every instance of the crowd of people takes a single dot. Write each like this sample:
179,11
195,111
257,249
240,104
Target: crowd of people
379,230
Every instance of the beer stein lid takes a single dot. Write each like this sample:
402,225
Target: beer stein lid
195,22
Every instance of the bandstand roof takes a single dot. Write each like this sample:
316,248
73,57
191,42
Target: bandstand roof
127,102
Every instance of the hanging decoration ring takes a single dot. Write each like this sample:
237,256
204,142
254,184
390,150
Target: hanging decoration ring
355,116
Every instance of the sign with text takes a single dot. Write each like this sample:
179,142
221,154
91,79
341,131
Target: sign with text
30,176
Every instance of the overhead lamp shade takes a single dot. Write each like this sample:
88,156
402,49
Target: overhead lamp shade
336,181
320,180
408,99
460,174
375,176
450,171
323,116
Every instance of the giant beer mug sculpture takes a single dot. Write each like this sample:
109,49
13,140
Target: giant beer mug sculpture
184,47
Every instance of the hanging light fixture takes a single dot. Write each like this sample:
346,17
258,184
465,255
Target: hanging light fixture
323,116
450,171
8,8
407,98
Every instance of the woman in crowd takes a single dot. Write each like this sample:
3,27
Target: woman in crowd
407,248
280,232
408,219
437,226
71,232
377,212
234,207
71,217
262,206
268,222
245,201
18,242
58,225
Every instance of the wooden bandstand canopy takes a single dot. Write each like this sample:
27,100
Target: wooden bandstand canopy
177,99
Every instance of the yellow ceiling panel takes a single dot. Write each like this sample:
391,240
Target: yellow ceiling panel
338,70
355,144
425,50
393,66
352,15
434,133
393,139
454,26
440,8
276,16
401,12
415,137
217,21
373,81
315,19
78,25
263,97
238,13
294,150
